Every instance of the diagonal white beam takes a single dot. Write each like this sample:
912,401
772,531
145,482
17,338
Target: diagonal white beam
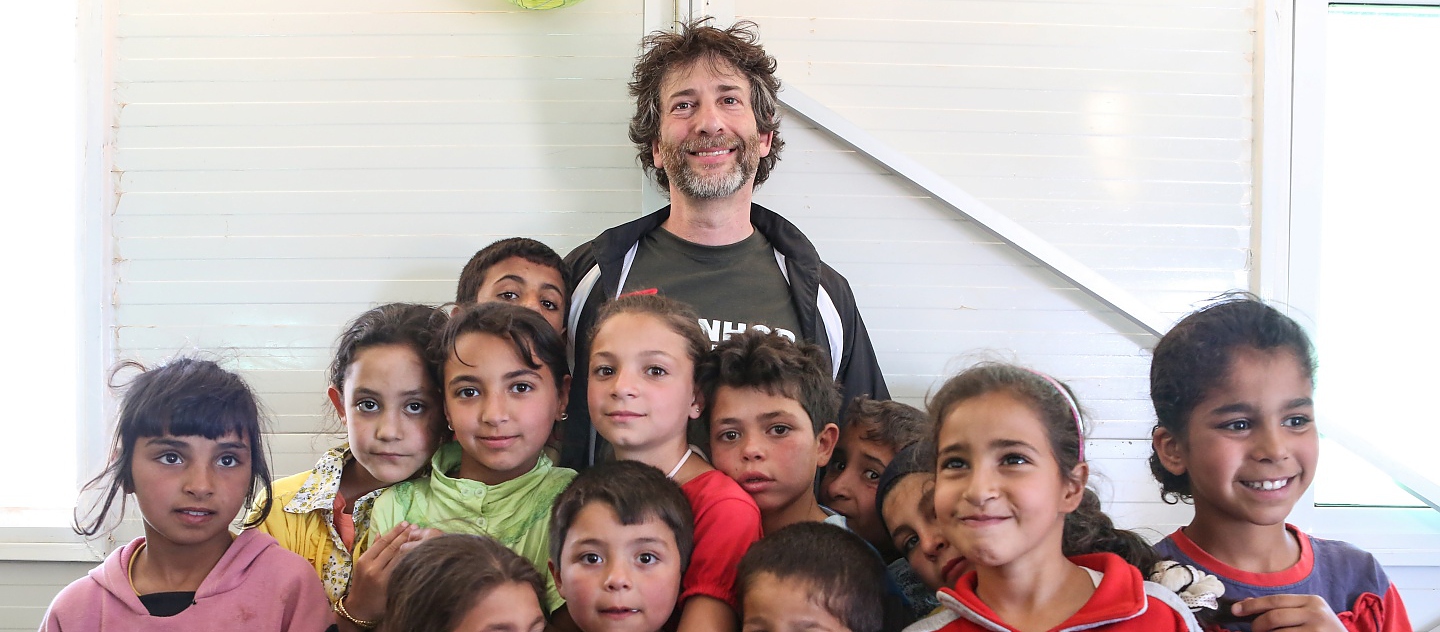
1033,246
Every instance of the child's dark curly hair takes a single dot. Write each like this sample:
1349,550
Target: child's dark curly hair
774,365
1194,358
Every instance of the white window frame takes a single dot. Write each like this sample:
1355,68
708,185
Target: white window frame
95,201
1290,94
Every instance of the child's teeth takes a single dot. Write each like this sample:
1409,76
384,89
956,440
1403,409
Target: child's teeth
1268,486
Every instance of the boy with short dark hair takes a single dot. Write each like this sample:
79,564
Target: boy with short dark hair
767,401
816,574
871,433
620,540
517,270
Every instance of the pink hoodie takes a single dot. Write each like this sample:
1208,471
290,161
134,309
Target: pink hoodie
257,586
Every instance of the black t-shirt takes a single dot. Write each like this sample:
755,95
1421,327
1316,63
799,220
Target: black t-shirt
733,288
167,604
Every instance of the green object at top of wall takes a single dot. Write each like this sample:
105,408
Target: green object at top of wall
541,5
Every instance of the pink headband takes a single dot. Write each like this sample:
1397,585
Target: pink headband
1074,410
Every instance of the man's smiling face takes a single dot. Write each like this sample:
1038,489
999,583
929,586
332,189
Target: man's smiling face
709,146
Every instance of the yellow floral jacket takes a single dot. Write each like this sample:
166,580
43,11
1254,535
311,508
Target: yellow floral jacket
302,519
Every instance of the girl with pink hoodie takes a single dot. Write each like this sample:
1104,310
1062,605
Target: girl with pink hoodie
188,446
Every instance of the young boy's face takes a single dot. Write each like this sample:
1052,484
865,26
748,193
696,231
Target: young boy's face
613,576
768,445
528,284
851,480
774,605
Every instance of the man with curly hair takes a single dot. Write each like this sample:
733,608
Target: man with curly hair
706,126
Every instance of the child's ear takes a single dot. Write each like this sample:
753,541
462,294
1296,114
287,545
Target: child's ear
555,572
337,399
1074,486
1167,447
825,444
564,393
697,404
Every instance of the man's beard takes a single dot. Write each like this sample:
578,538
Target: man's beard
711,185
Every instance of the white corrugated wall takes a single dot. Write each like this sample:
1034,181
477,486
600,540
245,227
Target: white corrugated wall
283,165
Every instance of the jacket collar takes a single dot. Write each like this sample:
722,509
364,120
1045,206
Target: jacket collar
1119,597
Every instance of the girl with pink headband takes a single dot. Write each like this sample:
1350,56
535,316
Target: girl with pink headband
1010,493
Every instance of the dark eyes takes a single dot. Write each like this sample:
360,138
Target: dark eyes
229,460
1296,421
647,558
466,392
1014,459
367,406
508,296
550,305
780,430
871,475
656,371
415,408
728,435
1238,424
589,558
170,458
909,545
953,464
522,387
603,371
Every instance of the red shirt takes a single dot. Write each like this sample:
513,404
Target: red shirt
727,522
1120,602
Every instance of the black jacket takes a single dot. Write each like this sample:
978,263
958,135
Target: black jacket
823,301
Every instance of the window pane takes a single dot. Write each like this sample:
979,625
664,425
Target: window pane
38,173
1376,322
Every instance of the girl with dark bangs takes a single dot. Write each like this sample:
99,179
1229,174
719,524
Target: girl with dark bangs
188,447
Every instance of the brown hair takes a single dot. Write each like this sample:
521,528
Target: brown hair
775,366
435,584
677,316
889,423
839,571
636,492
699,42
472,276
527,332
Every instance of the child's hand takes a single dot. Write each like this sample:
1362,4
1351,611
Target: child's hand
1293,613
371,575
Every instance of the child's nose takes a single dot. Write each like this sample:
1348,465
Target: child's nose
838,487
981,487
625,381
932,543
389,427
617,577
494,410
750,449
198,481
1270,443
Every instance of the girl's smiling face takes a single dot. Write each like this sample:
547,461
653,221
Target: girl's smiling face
642,386
1000,496
1251,445
501,408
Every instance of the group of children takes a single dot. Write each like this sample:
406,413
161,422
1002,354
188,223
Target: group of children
445,511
